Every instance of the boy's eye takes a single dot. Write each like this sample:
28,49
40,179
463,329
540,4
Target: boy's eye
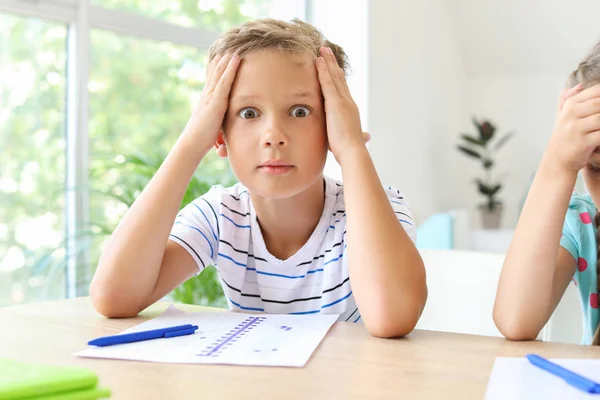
300,112
248,113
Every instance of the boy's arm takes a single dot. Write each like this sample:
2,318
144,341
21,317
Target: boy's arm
139,265
138,252
386,270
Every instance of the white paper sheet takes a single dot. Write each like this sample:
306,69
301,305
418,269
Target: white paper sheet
226,338
517,378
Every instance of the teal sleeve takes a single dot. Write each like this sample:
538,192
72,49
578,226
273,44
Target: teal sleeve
567,242
570,239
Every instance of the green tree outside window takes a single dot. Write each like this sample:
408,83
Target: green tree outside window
141,94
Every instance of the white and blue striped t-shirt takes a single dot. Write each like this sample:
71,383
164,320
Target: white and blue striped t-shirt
220,228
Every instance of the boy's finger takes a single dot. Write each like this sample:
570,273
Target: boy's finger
331,64
338,73
211,68
366,137
327,85
223,87
218,71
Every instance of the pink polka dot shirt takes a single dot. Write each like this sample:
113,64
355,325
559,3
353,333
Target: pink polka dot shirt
579,238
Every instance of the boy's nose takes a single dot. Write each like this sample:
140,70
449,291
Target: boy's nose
269,142
274,137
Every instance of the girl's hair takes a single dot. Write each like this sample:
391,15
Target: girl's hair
267,34
588,71
588,74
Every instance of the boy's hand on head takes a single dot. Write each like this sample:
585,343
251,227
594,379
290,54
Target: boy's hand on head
206,120
577,132
343,119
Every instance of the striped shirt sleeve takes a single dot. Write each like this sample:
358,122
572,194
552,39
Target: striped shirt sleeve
196,228
402,210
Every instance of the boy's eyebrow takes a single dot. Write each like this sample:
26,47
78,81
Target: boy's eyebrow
304,94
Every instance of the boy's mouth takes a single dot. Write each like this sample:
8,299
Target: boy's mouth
275,167
275,163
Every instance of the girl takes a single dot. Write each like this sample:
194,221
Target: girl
549,248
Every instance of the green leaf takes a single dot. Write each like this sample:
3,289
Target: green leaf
472,140
483,188
469,152
126,198
502,141
495,189
102,228
203,289
488,189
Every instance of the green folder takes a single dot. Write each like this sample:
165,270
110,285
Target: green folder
25,381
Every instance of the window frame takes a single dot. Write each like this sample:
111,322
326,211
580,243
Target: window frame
81,17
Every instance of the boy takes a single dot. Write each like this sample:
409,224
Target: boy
285,239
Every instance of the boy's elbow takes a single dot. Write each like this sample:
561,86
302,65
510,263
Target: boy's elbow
109,305
390,329
392,322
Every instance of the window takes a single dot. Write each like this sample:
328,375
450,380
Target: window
218,15
139,65
141,94
32,161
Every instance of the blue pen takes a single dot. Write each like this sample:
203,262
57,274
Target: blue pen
173,331
573,379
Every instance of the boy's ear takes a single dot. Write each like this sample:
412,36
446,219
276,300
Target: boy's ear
221,145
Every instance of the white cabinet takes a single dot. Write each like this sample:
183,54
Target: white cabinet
491,241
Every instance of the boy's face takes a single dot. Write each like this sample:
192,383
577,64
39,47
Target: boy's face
274,128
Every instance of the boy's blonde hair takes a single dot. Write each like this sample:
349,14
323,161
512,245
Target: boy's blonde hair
265,34
588,74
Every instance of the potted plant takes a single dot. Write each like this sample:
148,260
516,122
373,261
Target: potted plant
483,147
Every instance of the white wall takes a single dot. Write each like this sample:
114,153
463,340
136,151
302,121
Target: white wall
525,104
416,97
516,58
433,64
423,68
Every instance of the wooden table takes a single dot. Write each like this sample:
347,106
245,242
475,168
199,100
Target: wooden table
349,364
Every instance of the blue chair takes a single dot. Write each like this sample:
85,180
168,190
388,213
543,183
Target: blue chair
437,232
